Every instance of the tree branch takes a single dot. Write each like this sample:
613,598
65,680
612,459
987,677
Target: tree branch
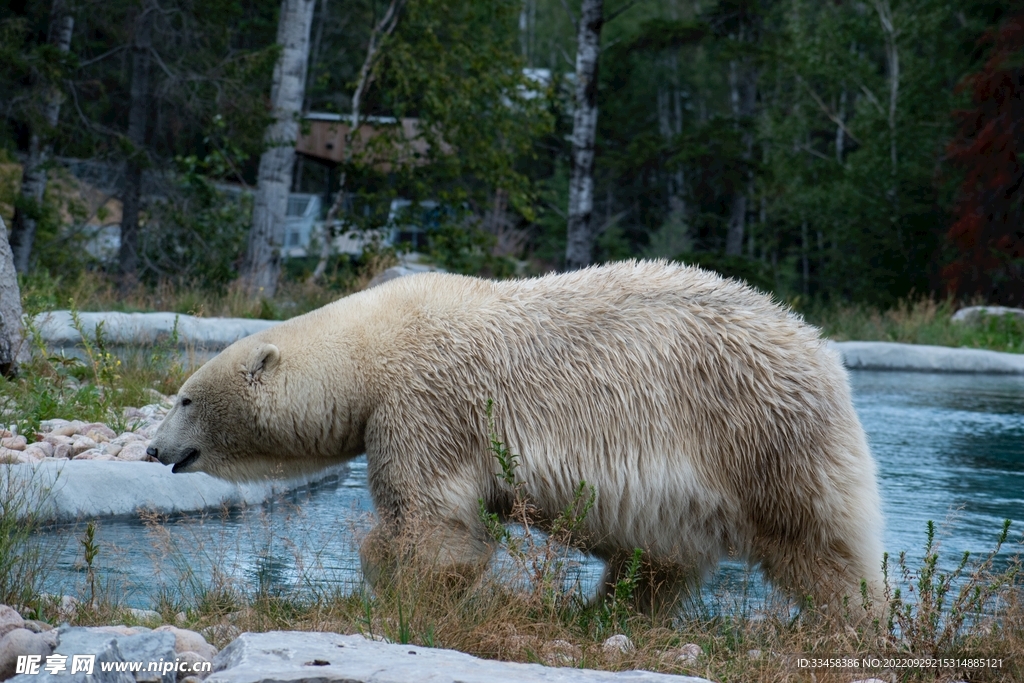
826,110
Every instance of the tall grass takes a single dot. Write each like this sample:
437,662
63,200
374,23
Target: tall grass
918,321
94,387
525,610
94,291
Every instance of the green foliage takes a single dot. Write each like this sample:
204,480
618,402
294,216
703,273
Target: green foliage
90,549
23,559
933,612
917,321
93,388
197,234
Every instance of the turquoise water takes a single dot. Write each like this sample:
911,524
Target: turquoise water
950,448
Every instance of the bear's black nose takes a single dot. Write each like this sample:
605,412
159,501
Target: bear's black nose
151,451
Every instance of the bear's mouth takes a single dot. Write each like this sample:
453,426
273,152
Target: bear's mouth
190,458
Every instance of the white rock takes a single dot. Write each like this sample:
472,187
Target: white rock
684,654
9,457
193,662
127,438
753,654
50,425
35,452
15,443
20,641
144,614
134,451
67,490
62,451
58,439
10,619
111,449
44,446
98,429
972,315
290,657
93,454
189,641
81,444
117,629
923,358
37,626
68,428
617,645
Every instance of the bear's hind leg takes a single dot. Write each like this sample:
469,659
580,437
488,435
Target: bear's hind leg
826,577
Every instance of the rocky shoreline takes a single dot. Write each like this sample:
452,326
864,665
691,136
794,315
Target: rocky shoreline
78,470
62,440
281,656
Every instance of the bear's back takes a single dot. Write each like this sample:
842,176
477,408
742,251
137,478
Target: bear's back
648,379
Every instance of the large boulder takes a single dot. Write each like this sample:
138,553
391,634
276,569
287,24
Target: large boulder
288,656
972,315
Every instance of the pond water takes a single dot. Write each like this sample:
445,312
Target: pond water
950,448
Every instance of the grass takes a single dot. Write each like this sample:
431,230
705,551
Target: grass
528,609
921,320
94,291
94,387
918,321
973,612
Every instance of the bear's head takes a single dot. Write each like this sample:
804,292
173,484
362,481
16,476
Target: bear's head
219,423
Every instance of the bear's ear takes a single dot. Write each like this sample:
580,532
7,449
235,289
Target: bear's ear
263,358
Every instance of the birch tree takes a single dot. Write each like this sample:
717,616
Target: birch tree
382,30
262,266
33,179
10,308
580,233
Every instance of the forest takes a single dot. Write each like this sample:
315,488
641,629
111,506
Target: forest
836,152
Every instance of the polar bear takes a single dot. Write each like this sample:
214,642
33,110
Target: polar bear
709,421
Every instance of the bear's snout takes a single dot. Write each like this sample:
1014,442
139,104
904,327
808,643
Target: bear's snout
153,452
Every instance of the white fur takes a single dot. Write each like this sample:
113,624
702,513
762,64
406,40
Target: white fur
709,420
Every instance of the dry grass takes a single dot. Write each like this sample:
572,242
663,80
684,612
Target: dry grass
529,609
92,291
918,321
501,617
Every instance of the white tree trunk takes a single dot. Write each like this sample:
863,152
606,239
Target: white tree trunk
382,30
580,233
263,261
33,179
10,309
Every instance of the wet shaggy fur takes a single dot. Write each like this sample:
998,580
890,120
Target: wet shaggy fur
710,421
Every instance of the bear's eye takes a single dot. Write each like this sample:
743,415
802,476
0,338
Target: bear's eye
186,401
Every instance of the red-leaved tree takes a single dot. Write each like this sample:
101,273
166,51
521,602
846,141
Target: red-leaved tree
988,233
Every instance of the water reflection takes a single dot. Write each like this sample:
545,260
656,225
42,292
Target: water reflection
950,448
